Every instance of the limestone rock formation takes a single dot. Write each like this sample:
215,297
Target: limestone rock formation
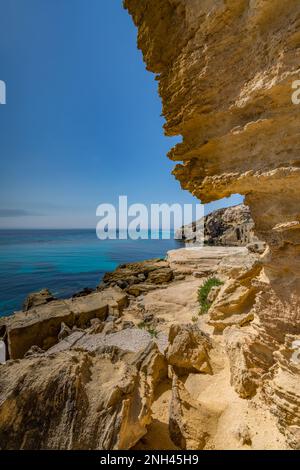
225,73
78,400
243,371
188,349
234,302
37,298
203,262
190,424
282,389
231,226
139,278
41,326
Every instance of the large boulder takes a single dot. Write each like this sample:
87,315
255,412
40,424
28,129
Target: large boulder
188,349
78,400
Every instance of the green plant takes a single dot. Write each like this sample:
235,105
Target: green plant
151,330
204,291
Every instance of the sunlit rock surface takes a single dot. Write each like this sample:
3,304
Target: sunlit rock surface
225,73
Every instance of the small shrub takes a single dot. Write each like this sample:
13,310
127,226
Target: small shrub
151,330
204,292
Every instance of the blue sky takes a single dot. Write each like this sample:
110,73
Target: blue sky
82,122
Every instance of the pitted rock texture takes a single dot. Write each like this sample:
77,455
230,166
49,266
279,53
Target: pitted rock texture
283,391
78,400
188,349
225,71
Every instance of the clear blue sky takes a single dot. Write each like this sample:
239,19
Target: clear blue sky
82,122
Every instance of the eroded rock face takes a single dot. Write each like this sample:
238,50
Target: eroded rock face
78,400
188,349
225,72
190,424
282,389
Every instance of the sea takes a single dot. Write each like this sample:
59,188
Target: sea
65,261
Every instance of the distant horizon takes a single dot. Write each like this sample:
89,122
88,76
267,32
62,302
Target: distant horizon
209,208
73,136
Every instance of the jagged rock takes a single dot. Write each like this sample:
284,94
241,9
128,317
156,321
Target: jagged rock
256,247
34,351
109,327
235,299
188,349
138,289
190,423
127,324
213,294
78,400
282,389
37,298
41,325
96,326
64,332
245,374
231,226
148,317
160,276
133,273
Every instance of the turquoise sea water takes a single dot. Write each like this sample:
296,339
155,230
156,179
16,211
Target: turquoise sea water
64,261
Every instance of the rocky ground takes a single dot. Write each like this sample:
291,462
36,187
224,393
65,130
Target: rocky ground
134,364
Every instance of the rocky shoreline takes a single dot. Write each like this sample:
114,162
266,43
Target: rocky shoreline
134,364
